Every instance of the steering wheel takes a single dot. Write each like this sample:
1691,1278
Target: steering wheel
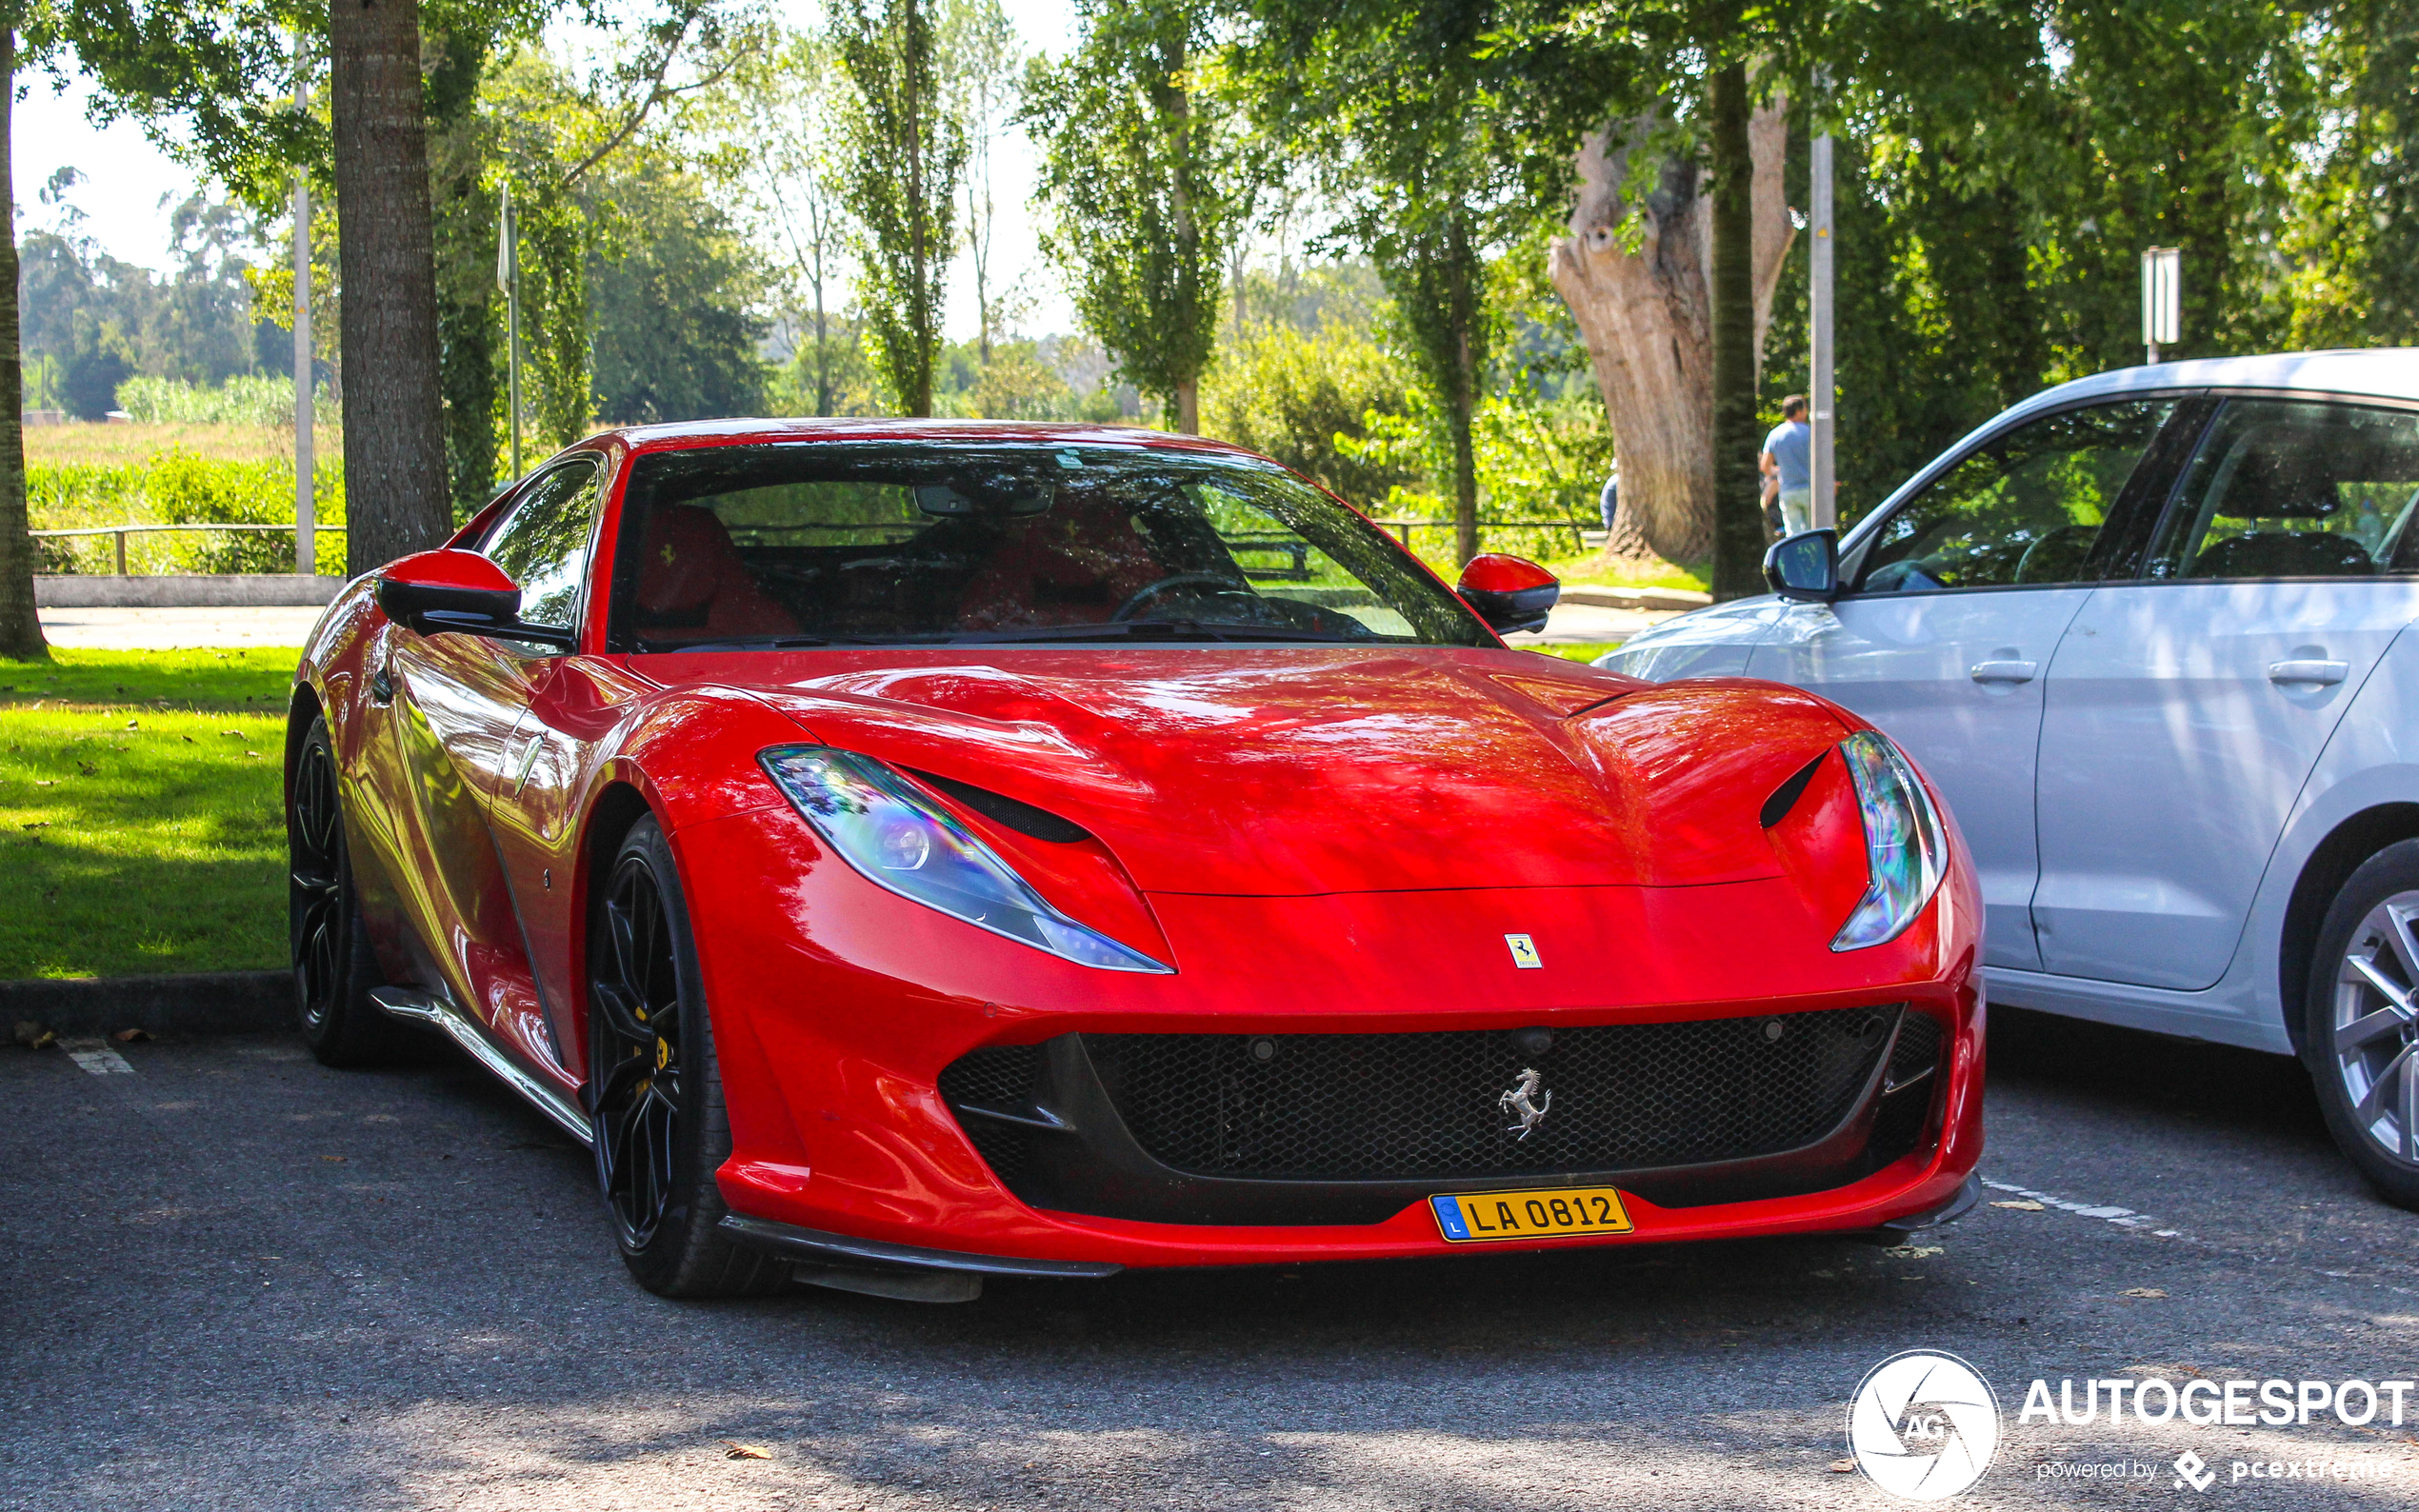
1150,591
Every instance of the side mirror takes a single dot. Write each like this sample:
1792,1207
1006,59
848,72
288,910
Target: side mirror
1804,568
461,591
1511,593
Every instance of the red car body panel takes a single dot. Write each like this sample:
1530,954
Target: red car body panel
1317,839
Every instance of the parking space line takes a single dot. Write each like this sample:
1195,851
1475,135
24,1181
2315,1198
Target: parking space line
2120,1217
96,1057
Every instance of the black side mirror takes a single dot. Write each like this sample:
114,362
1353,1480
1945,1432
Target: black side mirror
462,592
1804,568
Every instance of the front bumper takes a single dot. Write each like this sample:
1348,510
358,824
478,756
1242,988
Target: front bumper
839,1009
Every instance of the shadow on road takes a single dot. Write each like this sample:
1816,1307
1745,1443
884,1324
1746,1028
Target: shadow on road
2131,1069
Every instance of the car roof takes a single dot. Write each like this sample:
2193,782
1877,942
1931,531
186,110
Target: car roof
2371,372
2382,372
718,432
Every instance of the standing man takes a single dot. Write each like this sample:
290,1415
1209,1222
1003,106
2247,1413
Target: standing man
1787,461
1609,502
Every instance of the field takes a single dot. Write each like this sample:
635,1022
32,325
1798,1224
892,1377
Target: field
84,444
140,820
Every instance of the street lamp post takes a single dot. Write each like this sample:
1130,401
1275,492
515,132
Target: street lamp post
507,278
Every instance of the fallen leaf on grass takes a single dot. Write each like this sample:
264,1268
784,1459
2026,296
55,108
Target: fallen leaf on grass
251,753
230,733
39,823
129,1036
45,782
2152,1293
131,724
188,740
743,1451
1843,1466
2022,1208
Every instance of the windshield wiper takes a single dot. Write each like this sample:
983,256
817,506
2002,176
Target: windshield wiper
1149,629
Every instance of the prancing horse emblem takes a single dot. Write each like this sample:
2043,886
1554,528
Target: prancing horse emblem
1522,1102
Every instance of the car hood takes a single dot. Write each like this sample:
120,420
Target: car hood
1295,772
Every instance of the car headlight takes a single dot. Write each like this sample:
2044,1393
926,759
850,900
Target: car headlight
901,841
1906,849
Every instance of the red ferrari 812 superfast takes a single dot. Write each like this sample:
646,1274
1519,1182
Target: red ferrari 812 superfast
909,852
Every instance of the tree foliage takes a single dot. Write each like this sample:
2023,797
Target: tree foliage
906,155
1143,181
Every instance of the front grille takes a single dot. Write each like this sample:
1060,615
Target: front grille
1906,1114
1001,1077
1373,1106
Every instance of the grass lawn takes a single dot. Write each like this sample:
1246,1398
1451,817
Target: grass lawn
140,824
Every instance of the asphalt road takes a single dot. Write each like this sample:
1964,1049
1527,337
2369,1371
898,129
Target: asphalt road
236,1279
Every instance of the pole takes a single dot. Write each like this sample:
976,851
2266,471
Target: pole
2161,299
507,278
1819,391
305,367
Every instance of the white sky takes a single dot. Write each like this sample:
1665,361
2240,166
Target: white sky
131,185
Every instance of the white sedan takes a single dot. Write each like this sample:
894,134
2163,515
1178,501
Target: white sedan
2150,633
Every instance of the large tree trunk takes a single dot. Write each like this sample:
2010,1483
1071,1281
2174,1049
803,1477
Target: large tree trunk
1646,312
395,483
20,626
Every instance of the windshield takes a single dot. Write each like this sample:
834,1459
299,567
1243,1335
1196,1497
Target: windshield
905,543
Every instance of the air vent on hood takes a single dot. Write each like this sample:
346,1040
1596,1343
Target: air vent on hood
1001,809
1786,796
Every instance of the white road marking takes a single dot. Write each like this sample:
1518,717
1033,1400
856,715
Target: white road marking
2121,1217
96,1057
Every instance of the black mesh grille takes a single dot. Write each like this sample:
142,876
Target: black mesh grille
1365,1107
1001,1077
1905,1115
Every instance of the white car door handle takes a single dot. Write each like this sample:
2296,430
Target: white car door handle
2320,673
2004,671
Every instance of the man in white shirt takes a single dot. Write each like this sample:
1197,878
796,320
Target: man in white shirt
1788,461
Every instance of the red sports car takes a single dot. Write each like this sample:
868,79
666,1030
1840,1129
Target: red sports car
907,852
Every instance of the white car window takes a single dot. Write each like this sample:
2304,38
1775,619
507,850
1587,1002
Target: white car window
2295,488
2023,507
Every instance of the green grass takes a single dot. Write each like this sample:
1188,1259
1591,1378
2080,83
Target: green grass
140,824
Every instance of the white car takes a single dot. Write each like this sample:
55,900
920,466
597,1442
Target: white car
2150,634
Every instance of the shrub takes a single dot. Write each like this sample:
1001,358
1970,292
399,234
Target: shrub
1305,400
184,490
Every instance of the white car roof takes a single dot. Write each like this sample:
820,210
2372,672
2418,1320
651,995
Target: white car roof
2375,372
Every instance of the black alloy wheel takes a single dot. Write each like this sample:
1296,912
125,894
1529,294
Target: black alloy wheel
2360,1034
334,967
655,1099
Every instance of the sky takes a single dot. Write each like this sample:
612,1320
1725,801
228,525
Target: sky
131,185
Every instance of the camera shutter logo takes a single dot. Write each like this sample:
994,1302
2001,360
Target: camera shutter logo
1923,1426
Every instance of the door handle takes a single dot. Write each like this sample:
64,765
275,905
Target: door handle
2004,671
2316,673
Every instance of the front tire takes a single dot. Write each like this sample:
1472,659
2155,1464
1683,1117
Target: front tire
2361,1026
655,1095
334,967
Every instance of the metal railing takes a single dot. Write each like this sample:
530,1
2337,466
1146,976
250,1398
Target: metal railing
122,531
1404,527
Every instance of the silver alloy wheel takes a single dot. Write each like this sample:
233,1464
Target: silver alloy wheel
2376,1021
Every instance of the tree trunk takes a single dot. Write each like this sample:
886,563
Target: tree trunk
1188,405
1646,312
1738,522
395,419
921,317
20,626
1462,397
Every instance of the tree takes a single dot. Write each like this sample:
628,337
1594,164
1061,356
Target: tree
1405,108
980,62
1141,183
20,622
674,290
774,128
904,151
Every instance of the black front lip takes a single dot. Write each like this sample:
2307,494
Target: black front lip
1081,1159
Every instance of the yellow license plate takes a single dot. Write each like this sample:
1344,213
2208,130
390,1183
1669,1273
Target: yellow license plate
1471,1218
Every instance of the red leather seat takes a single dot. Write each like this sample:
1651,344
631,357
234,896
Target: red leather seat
1074,565
695,586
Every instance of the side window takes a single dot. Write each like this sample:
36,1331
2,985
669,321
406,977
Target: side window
543,544
2025,507
2294,489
